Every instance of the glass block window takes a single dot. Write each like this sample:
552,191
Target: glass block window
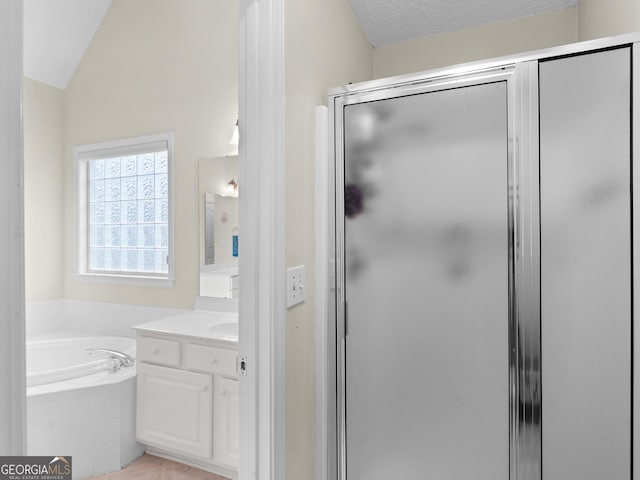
124,199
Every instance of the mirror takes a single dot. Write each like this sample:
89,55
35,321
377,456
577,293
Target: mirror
220,229
218,213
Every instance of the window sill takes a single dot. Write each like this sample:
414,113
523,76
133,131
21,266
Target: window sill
129,280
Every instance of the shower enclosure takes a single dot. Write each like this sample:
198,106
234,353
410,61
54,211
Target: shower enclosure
482,315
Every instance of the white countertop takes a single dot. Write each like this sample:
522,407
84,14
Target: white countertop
199,324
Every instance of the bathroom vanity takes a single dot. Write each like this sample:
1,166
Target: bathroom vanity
187,389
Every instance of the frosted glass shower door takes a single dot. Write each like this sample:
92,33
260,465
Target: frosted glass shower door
427,286
585,214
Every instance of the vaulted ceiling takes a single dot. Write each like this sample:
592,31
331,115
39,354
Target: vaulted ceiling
58,32
56,36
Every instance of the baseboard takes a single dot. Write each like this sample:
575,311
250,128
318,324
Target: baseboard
201,464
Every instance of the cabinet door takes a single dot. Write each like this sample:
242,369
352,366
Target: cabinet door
174,409
226,449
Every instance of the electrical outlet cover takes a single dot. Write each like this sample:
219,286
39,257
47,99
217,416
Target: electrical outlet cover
295,285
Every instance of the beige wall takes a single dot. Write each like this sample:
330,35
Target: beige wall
478,43
604,18
43,191
324,48
156,66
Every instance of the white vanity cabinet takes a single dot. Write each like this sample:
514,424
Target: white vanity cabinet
175,409
187,399
226,403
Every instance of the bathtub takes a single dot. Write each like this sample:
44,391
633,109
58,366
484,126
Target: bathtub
58,359
76,406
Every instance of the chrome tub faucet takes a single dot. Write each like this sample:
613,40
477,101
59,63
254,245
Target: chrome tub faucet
119,359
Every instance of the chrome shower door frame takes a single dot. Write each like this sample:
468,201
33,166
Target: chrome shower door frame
524,253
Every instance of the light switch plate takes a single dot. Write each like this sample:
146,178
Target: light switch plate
295,285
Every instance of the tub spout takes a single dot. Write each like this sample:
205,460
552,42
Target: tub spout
120,359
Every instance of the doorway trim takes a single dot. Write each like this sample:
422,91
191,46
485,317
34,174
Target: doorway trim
261,305
12,341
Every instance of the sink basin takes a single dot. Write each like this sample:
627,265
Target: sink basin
225,331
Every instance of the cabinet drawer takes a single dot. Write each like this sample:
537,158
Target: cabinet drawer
210,359
155,350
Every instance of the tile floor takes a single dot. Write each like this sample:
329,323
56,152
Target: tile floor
149,467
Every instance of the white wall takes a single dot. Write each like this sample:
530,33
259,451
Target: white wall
477,43
100,318
604,18
325,47
43,190
156,66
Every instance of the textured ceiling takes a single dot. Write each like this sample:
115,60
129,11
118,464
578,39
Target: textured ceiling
56,35
58,32
391,21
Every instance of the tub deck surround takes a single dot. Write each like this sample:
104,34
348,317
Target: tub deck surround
187,365
93,424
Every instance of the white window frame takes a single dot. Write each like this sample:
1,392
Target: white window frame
83,154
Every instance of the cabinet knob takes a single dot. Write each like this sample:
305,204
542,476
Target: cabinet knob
156,351
214,361
205,389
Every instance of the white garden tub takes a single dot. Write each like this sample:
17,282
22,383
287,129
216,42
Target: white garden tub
57,359
76,405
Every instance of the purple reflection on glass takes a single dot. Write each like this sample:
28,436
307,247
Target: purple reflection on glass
352,200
